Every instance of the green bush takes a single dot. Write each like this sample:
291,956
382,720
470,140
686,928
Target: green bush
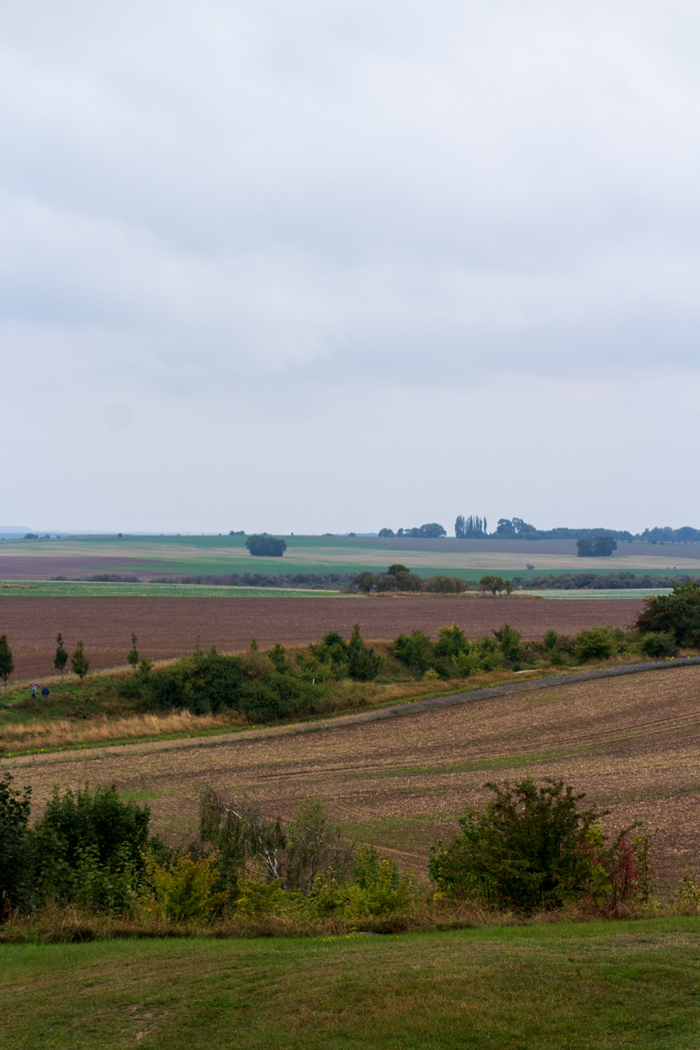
596,644
88,846
415,650
677,614
658,643
525,850
509,643
14,821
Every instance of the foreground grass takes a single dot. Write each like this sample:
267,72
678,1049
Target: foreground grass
579,986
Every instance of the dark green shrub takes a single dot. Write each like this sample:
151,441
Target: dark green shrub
364,663
509,643
658,643
550,640
266,546
525,850
415,650
14,819
677,614
89,847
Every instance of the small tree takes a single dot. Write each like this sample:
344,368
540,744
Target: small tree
79,662
61,658
7,665
524,850
266,546
133,656
364,663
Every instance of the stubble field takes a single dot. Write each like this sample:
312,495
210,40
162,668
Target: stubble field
169,627
630,743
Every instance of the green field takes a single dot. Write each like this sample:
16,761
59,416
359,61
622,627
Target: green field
582,986
80,589
222,555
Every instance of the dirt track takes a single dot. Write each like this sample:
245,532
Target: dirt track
630,743
169,627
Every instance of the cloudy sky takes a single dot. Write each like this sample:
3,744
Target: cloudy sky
318,266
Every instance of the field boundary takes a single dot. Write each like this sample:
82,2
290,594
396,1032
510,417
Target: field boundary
406,707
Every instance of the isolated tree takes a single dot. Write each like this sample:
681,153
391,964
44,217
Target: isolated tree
7,665
133,656
266,546
79,662
386,534
61,658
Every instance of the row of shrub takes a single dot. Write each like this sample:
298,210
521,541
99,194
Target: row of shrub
610,581
263,686
531,848
272,686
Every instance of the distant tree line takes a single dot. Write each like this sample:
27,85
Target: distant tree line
307,580
474,527
399,578
431,531
576,581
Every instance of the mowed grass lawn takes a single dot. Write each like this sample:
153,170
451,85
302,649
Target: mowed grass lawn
587,985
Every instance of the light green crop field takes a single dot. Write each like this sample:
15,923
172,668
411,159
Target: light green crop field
584,986
79,589
221,555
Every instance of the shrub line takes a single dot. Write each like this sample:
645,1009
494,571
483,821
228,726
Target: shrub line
406,707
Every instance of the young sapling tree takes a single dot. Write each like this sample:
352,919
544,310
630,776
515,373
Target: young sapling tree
79,662
133,656
61,658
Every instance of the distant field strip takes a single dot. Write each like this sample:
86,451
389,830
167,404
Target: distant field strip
221,555
628,593
80,589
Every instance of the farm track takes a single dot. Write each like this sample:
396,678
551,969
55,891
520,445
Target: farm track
630,742
169,627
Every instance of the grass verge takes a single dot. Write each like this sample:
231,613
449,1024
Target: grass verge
575,985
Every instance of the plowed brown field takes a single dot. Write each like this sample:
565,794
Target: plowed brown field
169,627
631,743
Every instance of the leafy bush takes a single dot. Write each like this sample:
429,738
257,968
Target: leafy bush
184,891
595,644
88,846
658,643
415,650
364,664
524,850
444,585
509,643
677,614
266,546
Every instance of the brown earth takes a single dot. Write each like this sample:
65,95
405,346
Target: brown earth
47,567
168,627
632,744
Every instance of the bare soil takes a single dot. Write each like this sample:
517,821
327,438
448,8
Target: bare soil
631,744
169,627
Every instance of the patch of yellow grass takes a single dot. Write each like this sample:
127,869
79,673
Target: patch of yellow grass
61,732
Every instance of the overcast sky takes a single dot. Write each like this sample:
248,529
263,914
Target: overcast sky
330,266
